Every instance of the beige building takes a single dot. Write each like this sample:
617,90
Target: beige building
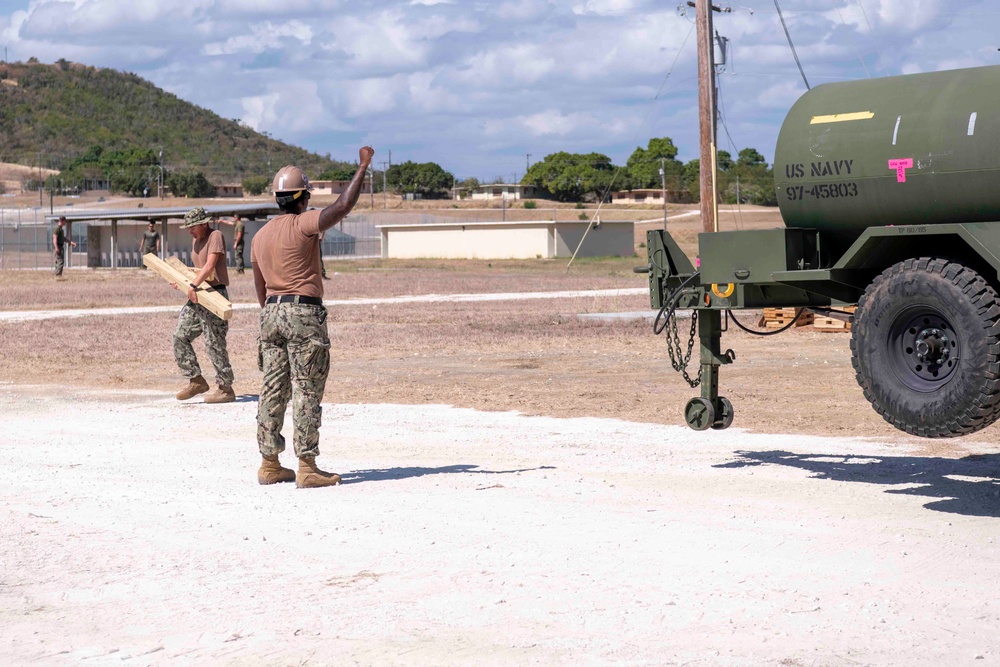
639,196
229,190
542,239
329,187
508,191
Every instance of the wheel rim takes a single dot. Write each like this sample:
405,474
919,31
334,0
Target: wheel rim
924,348
699,413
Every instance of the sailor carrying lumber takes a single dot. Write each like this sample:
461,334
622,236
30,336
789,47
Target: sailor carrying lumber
208,250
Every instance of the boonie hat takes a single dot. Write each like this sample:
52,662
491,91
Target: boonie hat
196,216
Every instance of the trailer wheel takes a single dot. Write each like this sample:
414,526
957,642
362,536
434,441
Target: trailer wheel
699,413
724,415
926,348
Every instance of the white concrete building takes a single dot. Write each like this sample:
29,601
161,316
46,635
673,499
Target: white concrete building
638,196
541,239
509,191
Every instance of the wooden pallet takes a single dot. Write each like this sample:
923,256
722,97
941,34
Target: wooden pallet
834,324
775,318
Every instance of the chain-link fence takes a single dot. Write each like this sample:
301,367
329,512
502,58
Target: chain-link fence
26,241
26,235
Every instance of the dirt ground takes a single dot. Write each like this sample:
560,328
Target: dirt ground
519,489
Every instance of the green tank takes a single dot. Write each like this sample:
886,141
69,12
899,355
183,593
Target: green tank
918,149
890,194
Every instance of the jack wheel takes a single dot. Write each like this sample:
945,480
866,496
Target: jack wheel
724,419
699,413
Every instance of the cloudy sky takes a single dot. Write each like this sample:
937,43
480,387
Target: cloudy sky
477,86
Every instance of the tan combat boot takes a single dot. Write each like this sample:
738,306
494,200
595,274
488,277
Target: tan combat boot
196,385
311,477
271,472
221,395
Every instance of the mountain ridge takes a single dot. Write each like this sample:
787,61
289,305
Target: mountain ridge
50,114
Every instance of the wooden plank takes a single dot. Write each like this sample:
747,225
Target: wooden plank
182,275
775,318
840,322
176,262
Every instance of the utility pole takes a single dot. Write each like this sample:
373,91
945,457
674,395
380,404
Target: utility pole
706,114
663,186
527,163
385,202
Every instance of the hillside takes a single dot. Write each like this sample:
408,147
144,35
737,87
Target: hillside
55,113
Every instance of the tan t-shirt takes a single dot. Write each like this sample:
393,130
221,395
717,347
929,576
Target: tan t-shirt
286,251
201,251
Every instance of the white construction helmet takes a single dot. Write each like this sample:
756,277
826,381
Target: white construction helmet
289,184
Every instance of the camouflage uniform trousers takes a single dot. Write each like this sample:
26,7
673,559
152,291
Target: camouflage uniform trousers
295,359
145,251
60,261
238,257
193,321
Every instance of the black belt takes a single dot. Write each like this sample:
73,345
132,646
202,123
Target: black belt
296,298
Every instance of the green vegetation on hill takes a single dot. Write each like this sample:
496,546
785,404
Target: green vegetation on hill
56,114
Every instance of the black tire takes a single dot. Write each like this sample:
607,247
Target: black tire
926,348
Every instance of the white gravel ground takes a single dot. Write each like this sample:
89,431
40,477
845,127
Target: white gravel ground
132,531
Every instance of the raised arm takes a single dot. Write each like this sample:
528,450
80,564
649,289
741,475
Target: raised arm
339,209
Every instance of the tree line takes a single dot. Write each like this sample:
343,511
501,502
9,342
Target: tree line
577,177
592,176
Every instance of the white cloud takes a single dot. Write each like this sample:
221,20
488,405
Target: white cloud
497,78
552,121
287,108
604,7
262,37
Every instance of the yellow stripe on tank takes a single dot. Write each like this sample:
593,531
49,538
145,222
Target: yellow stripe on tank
841,117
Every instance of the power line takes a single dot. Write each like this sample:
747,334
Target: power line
867,73
872,33
790,45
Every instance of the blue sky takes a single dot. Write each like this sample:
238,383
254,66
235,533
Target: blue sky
477,86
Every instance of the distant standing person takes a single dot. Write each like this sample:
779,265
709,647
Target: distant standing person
295,345
239,230
150,242
239,240
59,239
208,250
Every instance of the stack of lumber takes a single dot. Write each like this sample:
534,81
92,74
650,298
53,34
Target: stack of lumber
176,273
834,324
775,318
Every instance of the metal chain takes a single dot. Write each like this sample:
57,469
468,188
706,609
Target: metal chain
678,360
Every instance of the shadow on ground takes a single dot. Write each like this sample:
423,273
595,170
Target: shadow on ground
383,474
969,485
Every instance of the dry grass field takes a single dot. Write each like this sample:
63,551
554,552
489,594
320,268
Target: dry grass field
534,356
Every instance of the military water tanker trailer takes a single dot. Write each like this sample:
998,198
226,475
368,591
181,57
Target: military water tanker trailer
890,194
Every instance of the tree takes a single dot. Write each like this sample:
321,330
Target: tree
190,184
724,161
692,179
748,181
467,185
338,174
749,157
572,176
427,179
255,185
643,166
